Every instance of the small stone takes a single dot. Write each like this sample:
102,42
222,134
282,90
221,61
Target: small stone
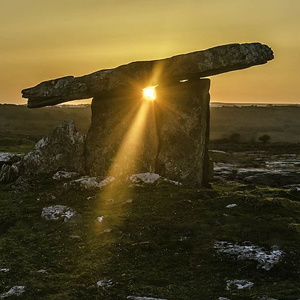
60,175
100,219
16,290
58,212
4,270
105,283
239,284
231,205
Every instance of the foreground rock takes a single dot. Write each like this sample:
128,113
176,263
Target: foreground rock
90,183
8,173
17,290
150,178
63,149
9,158
58,212
197,64
266,260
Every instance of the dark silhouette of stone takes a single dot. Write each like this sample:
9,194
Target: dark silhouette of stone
197,64
171,139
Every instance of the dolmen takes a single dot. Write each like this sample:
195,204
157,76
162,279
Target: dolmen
163,129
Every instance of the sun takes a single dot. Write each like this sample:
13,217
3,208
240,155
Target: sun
149,93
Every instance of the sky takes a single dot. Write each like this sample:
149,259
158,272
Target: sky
42,40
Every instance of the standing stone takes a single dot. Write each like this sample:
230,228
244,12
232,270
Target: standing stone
168,136
122,139
184,132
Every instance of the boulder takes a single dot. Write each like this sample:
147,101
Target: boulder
63,149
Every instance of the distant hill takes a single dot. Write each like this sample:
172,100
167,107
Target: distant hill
280,122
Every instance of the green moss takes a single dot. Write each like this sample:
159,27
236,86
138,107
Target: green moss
160,244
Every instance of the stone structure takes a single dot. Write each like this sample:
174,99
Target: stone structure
168,136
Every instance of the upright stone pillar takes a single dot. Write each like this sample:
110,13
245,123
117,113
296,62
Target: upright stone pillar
168,136
184,132
122,138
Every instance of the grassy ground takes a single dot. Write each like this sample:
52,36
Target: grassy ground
154,241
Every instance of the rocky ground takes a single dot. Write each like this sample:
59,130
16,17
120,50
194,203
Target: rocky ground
64,236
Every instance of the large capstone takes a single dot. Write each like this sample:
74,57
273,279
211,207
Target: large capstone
168,136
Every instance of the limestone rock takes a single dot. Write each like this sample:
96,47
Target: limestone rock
63,149
89,183
266,260
16,290
197,64
62,175
9,158
58,212
8,173
238,284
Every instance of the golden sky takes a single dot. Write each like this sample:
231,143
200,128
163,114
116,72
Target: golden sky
42,39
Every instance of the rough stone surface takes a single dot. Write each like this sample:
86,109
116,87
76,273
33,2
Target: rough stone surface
197,64
16,290
58,212
266,260
238,284
9,158
63,149
168,137
122,137
183,128
8,173
89,183
62,175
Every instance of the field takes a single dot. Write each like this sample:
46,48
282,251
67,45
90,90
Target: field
157,240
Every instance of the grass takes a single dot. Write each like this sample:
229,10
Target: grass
158,244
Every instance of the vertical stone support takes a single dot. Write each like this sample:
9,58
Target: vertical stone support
184,132
169,136
122,138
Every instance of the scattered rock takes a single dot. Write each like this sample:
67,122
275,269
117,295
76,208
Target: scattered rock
231,205
42,271
4,270
238,284
89,183
150,178
100,219
8,173
60,175
16,290
58,212
9,158
63,149
222,298
247,251
105,283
